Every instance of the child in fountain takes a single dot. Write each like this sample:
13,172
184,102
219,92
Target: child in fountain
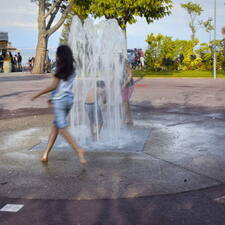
95,114
62,100
127,89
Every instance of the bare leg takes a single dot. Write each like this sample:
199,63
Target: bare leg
51,140
127,113
71,141
125,107
93,132
129,117
100,128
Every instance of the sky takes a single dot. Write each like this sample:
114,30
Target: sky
19,19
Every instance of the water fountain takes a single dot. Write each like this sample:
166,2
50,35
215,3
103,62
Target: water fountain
100,52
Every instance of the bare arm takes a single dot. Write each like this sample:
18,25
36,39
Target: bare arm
129,75
101,94
50,88
104,97
129,72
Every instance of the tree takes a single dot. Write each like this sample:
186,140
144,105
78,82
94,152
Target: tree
47,12
223,30
80,9
166,54
193,10
66,29
125,11
223,42
208,26
48,24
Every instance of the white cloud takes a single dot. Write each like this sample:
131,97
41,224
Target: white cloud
19,10
19,24
18,13
19,17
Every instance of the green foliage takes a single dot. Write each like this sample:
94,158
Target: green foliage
193,10
176,74
163,53
166,54
208,25
125,11
206,53
66,29
81,8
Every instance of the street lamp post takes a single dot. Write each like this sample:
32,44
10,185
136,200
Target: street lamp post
214,61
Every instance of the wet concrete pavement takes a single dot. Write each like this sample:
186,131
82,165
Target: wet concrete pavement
191,208
177,179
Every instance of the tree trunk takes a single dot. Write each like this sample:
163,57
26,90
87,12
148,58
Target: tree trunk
45,32
124,30
41,47
39,61
125,35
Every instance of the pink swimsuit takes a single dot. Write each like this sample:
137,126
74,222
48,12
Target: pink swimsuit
127,92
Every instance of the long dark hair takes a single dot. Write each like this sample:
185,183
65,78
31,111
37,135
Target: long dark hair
65,63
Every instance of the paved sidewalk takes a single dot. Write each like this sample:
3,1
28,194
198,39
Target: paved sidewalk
203,94
205,207
178,179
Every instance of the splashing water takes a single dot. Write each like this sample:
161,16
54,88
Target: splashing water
99,51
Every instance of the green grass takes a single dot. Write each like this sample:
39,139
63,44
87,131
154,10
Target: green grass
177,74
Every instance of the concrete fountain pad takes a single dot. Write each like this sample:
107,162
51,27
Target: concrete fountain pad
176,158
185,149
106,176
132,140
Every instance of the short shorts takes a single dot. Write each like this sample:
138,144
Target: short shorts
91,111
62,108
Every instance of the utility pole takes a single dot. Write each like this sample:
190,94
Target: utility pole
214,47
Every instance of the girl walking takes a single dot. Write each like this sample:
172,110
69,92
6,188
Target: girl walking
62,100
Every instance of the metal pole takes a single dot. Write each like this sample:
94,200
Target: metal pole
214,47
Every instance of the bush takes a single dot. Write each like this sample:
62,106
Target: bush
165,54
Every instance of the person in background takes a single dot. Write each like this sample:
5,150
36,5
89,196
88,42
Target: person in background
12,62
30,64
92,105
19,62
1,63
15,59
142,59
